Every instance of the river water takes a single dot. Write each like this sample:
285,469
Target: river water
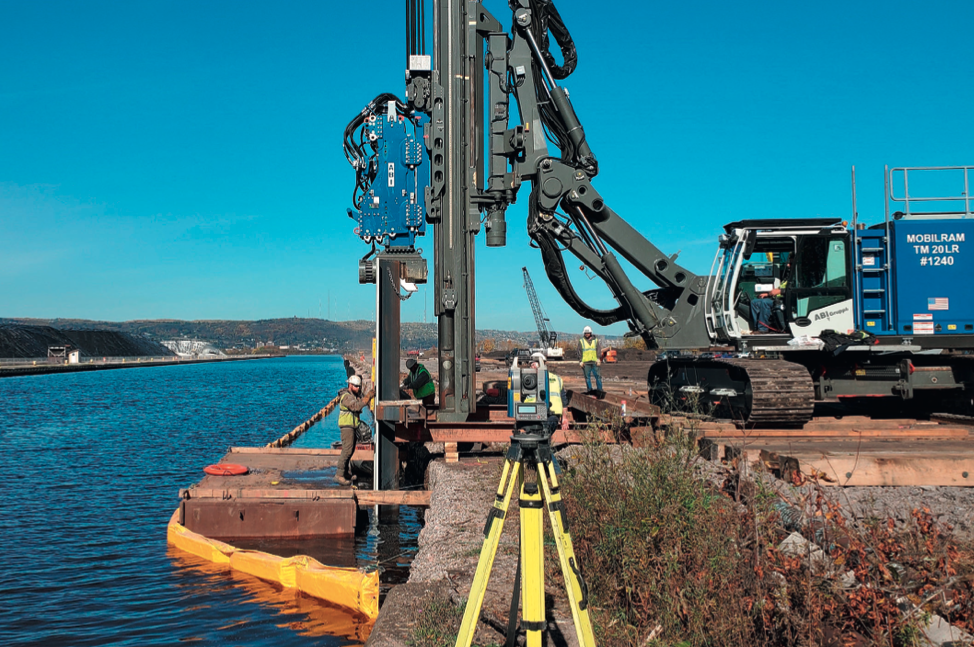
92,463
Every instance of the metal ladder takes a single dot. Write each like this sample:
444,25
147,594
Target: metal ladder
882,271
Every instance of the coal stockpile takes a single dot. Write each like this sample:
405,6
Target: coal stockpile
20,341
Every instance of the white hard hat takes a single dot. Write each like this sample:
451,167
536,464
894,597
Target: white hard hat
356,380
586,329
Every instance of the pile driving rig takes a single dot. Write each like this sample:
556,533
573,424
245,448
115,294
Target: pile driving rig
841,279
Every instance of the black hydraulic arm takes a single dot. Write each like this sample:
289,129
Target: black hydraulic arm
566,212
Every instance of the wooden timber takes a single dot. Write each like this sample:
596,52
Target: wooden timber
851,452
849,427
292,435
451,453
286,451
363,452
361,497
845,466
609,406
474,432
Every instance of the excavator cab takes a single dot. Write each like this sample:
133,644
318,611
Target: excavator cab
785,278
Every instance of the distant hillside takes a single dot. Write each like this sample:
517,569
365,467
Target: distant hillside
33,341
311,334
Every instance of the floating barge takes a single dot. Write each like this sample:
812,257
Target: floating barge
286,493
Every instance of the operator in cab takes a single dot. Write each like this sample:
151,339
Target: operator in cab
349,417
420,382
591,349
763,308
556,398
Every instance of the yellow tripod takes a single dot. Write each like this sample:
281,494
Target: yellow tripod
530,450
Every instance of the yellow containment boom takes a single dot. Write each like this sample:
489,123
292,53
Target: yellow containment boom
351,588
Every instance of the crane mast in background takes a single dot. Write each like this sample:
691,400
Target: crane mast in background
545,336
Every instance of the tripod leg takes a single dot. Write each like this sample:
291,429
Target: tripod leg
532,563
512,473
570,568
515,605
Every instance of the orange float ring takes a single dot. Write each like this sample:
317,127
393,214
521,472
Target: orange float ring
225,469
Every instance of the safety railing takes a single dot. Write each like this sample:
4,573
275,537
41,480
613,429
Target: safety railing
906,198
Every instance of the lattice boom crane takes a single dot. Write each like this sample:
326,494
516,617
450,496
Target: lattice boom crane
547,337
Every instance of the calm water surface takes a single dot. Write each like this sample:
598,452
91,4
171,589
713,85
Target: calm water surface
92,464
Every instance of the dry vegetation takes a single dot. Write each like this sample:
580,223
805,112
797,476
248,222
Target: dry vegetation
693,562
674,555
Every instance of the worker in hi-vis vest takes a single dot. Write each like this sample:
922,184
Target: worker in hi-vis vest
349,415
420,382
556,401
591,352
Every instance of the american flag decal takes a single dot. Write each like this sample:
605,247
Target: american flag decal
938,304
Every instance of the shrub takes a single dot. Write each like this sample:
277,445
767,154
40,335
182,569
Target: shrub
660,548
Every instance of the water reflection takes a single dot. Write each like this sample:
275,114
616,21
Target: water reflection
330,551
96,460
301,614
389,547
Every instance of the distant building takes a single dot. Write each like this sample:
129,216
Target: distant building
64,354
58,352
193,348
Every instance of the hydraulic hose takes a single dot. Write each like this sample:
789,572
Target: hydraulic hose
557,272
355,151
547,18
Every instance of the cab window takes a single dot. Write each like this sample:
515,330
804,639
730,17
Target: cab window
821,274
822,262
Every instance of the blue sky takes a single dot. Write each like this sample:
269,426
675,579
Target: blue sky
183,160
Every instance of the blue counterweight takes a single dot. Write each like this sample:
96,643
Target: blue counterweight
392,208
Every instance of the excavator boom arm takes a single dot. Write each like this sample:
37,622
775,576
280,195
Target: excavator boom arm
566,212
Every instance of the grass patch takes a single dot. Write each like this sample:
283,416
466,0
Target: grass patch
438,625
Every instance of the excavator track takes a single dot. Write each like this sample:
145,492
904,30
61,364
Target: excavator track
754,392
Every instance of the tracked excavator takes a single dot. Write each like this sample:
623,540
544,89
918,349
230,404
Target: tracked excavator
793,311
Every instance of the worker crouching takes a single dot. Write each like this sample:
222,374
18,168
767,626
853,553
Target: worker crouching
420,382
349,416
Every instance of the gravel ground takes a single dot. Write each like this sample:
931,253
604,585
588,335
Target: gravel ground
953,506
